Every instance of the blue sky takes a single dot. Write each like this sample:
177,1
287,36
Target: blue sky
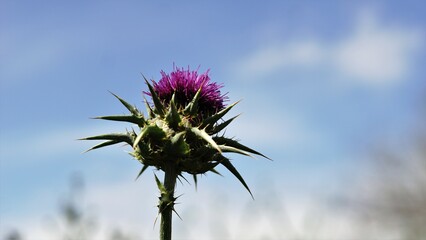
321,83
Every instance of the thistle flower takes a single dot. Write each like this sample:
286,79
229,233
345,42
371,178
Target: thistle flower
184,84
180,134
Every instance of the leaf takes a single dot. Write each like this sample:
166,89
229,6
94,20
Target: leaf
177,138
178,146
174,210
226,163
103,144
212,119
203,151
160,185
173,118
192,107
202,134
126,118
157,102
208,166
148,108
180,175
141,171
119,137
153,131
195,180
140,136
129,107
223,125
235,144
215,171
225,148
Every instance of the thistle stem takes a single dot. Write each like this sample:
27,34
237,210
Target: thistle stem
167,201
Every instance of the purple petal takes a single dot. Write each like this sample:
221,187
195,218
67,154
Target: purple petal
184,84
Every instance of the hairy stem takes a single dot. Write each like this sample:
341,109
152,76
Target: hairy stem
167,202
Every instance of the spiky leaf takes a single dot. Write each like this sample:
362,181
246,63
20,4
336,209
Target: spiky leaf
159,108
129,107
194,176
192,107
178,147
215,172
119,137
103,144
213,119
160,185
208,166
226,163
203,135
173,118
148,108
150,130
141,171
236,144
225,148
216,129
125,118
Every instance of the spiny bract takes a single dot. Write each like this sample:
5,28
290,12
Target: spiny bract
182,127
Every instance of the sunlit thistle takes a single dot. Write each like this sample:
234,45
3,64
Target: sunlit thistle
181,134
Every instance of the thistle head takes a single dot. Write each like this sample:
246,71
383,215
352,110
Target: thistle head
184,85
182,128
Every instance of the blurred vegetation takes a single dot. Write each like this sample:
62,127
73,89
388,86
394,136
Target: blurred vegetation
74,220
395,197
13,235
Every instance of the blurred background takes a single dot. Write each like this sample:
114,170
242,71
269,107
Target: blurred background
333,92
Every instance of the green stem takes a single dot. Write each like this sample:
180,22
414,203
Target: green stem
167,201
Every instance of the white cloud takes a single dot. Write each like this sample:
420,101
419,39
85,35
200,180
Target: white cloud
273,58
372,53
376,53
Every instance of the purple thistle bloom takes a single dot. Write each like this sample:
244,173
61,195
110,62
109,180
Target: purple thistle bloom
185,84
